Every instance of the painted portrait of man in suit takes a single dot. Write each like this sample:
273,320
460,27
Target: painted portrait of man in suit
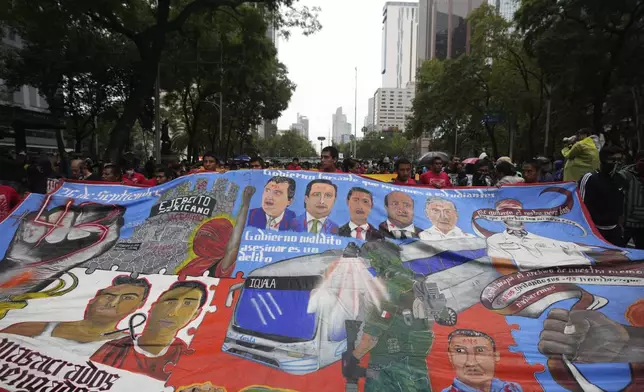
319,199
274,214
360,203
400,217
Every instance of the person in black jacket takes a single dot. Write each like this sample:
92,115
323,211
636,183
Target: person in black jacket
602,193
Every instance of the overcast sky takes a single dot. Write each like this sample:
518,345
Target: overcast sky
323,65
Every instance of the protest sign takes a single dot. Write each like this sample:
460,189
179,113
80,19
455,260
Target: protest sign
306,281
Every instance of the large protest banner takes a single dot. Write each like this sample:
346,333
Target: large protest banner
305,281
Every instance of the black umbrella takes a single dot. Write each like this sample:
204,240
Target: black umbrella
427,158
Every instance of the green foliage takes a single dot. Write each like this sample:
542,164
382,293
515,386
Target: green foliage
289,144
379,145
123,42
591,52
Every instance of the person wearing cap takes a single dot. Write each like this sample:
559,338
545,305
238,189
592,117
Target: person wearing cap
581,157
516,248
506,174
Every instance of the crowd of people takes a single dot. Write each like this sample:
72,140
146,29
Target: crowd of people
612,193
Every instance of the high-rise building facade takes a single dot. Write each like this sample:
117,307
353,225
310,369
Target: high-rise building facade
305,125
341,128
301,126
392,108
443,31
399,40
505,8
25,120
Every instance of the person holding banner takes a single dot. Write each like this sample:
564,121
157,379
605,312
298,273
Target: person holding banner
436,177
402,167
473,356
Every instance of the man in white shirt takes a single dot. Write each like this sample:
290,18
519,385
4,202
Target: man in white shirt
360,202
515,248
319,199
274,214
443,215
400,217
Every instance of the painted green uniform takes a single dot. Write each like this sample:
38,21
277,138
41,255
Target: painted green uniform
398,362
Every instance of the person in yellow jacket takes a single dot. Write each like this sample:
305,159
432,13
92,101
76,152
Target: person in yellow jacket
581,157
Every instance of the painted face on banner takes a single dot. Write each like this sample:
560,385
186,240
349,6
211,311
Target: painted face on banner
443,215
174,310
359,207
473,358
275,199
320,200
400,209
115,302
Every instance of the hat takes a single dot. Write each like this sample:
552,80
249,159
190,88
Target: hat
483,155
504,159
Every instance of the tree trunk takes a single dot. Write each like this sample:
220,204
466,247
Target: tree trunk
598,112
78,146
20,137
227,144
492,136
61,151
120,135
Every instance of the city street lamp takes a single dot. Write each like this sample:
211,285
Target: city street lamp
321,139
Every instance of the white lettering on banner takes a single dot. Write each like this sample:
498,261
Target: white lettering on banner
25,366
264,236
106,196
262,283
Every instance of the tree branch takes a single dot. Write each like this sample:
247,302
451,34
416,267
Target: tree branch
198,5
110,22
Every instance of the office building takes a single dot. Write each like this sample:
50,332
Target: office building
505,8
301,126
399,40
304,121
392,108
26,123
341,130
443,31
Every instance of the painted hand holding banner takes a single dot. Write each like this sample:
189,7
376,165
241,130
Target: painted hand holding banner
305,281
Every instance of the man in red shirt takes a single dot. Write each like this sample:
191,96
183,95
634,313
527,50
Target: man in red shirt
131,177
435,176
402,167
9,198
295,165
158,345
329,160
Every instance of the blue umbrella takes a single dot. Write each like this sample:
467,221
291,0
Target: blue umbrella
243,158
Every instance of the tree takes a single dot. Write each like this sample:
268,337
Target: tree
583,46
484,99
144,25
289,144
376,145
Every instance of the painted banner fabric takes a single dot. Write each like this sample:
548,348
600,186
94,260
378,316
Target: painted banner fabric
305,281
